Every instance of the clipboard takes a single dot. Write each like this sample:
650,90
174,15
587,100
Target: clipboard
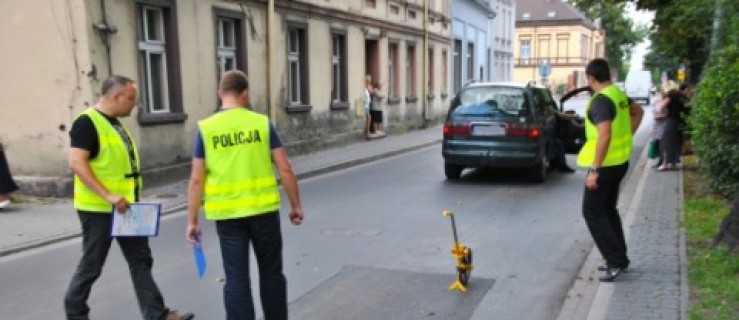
141,220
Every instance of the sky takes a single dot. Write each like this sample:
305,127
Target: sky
640,17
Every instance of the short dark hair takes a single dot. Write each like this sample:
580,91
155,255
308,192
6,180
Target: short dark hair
599,69
233,81
113,83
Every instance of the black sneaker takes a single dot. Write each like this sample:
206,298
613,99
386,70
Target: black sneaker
604,267
611,274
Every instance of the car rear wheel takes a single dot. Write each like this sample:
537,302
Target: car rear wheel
539,172
452,171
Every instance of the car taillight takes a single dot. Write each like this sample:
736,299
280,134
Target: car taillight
534,132
522,130
456,129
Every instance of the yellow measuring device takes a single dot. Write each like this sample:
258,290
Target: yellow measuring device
463,256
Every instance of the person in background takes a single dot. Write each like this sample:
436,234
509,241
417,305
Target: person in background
671,141
7,184
367,102
376,109
660,114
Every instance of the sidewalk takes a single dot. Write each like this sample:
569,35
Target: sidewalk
655,286
38,222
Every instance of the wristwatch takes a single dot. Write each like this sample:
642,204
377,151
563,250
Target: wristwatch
594,170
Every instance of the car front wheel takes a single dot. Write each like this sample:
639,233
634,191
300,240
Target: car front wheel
452,171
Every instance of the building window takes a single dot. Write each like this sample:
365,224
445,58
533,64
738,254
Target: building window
457,68
470,62
525,51
339,94
370,3
410,71
444,73
584,41
431,71
160,92
394,10
297,60
393,72
230,48
411,15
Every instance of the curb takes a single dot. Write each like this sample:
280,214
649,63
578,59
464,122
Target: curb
593,299
583,300
180,206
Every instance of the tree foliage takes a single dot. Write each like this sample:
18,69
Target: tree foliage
715,122
622,34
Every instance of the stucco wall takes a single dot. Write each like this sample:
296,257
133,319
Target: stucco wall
57,61
45,64
559,71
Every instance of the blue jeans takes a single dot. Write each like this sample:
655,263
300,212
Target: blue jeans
96,241
263,231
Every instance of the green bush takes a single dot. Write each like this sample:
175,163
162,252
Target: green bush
714,121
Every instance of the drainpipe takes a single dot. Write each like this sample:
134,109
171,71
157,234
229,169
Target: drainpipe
105,30
271,110
424,87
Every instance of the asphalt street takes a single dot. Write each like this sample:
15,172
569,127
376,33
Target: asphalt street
529,241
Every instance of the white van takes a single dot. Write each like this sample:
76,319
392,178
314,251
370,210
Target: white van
638,83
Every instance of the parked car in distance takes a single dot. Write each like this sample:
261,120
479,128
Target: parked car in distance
504,125
638,85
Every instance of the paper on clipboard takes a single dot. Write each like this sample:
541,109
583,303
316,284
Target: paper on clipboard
200,262
141,220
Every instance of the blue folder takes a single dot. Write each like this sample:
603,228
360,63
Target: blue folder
200,262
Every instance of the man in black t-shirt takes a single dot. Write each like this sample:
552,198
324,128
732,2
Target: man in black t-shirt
101,186
607,152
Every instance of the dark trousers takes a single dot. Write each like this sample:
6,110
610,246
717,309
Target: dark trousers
7,185
602,218
96,241
263,231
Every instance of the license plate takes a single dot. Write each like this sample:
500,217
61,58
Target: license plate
488,130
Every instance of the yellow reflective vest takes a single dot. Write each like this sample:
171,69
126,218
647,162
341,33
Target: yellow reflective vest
619,148
239,181
112,167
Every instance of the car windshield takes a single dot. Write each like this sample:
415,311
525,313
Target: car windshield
491,100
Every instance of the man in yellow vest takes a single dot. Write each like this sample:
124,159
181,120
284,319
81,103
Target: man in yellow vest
611,120
232,175
105,163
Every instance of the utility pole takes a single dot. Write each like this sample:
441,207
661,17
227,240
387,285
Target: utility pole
271,110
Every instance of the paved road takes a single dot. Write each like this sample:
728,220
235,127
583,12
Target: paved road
386,214
528,239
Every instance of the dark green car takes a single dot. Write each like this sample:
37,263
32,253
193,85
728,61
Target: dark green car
502,125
